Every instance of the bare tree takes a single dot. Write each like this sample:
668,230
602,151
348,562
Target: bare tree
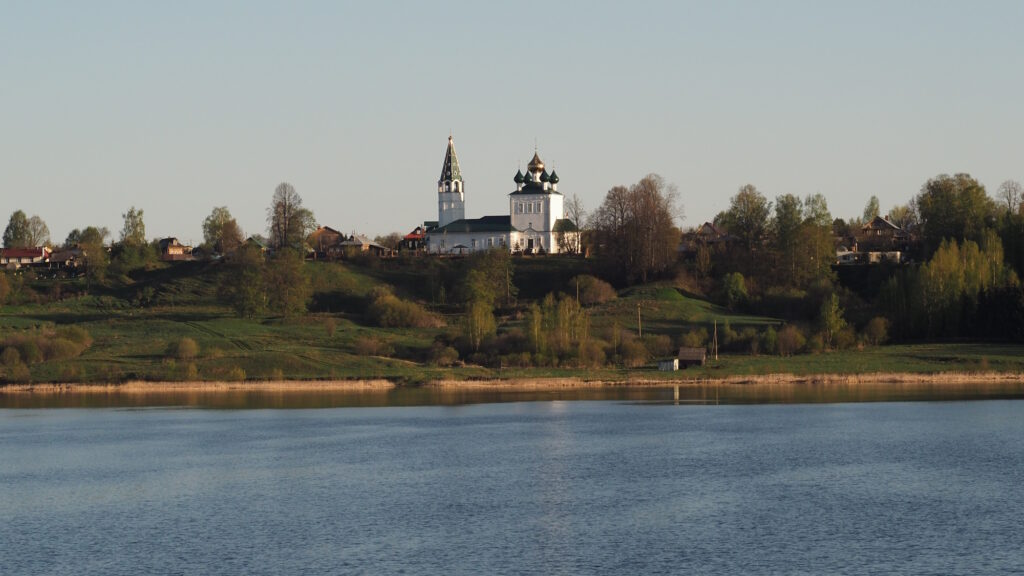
289,223
38,232
1011,192
635,228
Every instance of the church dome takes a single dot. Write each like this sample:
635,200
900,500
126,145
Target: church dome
553,178
528,177
544,176
519,177
536,165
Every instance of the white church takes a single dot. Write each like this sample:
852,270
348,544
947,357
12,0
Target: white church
535,223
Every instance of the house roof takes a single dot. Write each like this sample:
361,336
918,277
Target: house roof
692,353
485,224
24,252
565,225
357,240
531,187
879,223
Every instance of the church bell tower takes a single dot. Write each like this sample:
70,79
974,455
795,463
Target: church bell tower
451,202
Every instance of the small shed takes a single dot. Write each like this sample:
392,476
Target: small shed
692,356
668,365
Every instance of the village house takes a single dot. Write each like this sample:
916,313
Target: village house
173,251
356,244
14,258
326,243
534,225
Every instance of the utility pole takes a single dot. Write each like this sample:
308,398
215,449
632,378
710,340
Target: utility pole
639,325
714,344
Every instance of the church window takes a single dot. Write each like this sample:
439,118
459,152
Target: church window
490,242
473,243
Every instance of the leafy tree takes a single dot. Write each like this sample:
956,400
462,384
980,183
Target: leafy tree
747,216
904,216
391,241
288,284
786,231
954,207
90,240
221,231
635,228
242,285
16,233
831,319
289,223
489,275
871,209
134,231
735,288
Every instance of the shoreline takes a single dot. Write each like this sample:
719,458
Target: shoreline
521,384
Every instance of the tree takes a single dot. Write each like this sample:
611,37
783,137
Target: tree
288,284
16,233
871,209
1010,192
904,216
786,226
289,223
635,228
831,318
747,216
221,231
572,241
391,241
242,284
134,231
955,207
38,232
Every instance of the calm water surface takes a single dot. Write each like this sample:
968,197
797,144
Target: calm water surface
554,487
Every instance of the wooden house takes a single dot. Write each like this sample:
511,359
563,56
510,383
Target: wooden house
692,356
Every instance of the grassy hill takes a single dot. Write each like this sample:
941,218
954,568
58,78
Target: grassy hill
136,323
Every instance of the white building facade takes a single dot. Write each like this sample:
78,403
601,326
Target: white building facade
533,226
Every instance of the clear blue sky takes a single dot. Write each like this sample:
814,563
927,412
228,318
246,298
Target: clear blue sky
177,107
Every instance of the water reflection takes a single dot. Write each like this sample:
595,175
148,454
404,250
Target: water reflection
776,393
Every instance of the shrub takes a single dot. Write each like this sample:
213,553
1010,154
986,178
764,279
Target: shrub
370,346
735,288
19,374
790,340
592,290
591,355
235,374
330,324
388,311
10,357
695,338
441,355
877,330
845,338
184,349
633,353
659,345
769,340
30,352
76,334
62,349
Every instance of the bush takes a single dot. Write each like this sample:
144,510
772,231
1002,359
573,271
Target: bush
633,353
61,349
76,334
592,290
184,349
790,340
695,338
845,338
659,345
441,355
235,374
769,340
19,374
877,330
388,311
29,349
10,357
330,325
371,346
591,355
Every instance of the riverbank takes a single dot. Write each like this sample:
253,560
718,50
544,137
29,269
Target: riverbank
524,384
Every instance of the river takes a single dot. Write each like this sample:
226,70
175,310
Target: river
624,485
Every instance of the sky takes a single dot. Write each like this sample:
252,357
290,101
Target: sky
178,107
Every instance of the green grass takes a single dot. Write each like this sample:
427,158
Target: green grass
131,338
